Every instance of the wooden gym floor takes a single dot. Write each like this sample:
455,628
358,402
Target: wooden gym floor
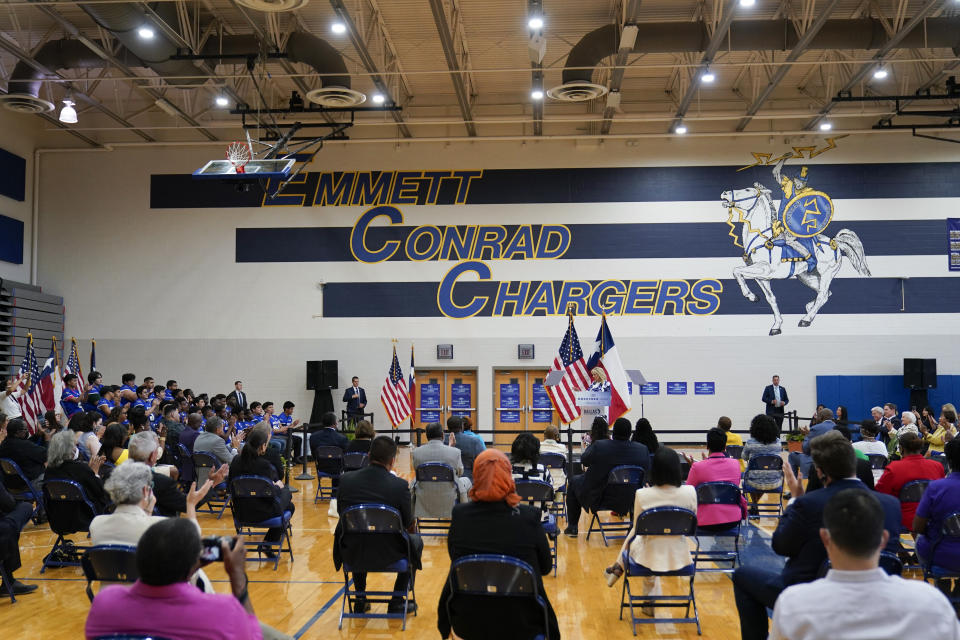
303,598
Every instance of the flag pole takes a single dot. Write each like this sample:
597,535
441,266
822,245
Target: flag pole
56,356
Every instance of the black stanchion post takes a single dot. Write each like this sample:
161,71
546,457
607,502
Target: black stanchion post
304,474
288,463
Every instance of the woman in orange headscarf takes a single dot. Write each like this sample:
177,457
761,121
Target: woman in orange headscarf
495,522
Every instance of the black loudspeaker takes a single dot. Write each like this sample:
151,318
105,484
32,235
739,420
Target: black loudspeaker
930,373
920,373
328,378
314,373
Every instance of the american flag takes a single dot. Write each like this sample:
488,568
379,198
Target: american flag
73,363
394,396
412,387
31,405
576,377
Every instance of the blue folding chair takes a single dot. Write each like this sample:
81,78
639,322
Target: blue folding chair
68,510
661,521
538,493
353,460
205,463
765,462
931,571
734,451
372,524
878,461
557,462
20,487
480,585
889,562
187,473
618,496
109,563
248,497
329,464
440,474
719,493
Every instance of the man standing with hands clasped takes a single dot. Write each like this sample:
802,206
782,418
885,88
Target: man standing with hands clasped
775,398
356,399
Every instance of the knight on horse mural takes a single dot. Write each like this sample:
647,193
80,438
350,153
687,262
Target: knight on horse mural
804,213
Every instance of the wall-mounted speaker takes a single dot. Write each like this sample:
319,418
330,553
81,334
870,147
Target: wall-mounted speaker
920,373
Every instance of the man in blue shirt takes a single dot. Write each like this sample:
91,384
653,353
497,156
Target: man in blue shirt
171,390
128,389
470,444
106,403
287,422
70,398
802,461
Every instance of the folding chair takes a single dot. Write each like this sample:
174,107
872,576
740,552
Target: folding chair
354,460
557,462
69,511
766,462
187,472
373,524
8,581
249,495
329,464
734,451
205,463
438,474
719,493
540,494
481,584
661,521
20,487
889,562
942,459
622,485
931,571
878,461
106,469
109,563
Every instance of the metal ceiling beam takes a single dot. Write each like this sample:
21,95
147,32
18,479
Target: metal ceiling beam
265,37
370,64
70,28
631,12
716,40
20,54
795,54
881,53
458,78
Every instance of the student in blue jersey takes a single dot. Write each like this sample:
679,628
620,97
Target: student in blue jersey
128,389
149,384
105,405
157,393
70,398
94,383
171,391
257,409
144,400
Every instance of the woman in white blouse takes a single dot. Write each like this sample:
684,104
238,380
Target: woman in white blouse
658,553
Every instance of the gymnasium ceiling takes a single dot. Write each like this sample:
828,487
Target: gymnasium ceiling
464,68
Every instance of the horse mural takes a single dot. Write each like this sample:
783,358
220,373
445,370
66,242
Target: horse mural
769,256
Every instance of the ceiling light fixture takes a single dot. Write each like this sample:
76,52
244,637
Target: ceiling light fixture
708,76
145,32
825,126
537,94
222,101
338,27
377,98
680,129
747,3
880,73
68,114
535,23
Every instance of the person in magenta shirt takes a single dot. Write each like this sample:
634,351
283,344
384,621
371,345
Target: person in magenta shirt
717,467
163,603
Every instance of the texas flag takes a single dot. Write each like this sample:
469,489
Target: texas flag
607,357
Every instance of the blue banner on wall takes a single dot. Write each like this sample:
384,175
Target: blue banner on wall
953,238
704,388
650,389
11,240
676,388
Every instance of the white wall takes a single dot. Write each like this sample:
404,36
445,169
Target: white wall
161,292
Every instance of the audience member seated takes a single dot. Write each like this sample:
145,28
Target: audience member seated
869,444
525,457
716,467
909,424
30,457
764,441
941,499
470,447
550,444
434,499
164,603
496,523
599,430
253,461
797,536
112,448
377,484
14,516
192,431
362,437
733,439
211,441
328,436
62,464
171,424
643,433
171,501
658,553
912,466
864,468
853,534
945,432
800,462
584,490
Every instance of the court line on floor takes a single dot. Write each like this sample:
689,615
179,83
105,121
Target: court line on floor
319,614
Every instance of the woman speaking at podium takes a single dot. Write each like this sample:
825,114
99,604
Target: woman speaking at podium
599,378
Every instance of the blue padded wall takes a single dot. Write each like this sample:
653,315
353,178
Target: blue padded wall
859,393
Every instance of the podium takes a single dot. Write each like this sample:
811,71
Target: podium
592,404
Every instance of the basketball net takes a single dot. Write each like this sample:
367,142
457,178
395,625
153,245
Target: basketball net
238,153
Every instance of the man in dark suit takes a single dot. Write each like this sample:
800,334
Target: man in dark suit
328,436
798,534
238,395
376,484
30,457
775,398
356,399
599,458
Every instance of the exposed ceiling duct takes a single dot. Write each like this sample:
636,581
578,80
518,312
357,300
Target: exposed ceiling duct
744,35
124,20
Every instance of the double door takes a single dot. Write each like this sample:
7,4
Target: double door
442,393
520,403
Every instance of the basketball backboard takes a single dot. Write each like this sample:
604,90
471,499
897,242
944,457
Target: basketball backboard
252,170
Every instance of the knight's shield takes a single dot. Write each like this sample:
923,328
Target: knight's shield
808,213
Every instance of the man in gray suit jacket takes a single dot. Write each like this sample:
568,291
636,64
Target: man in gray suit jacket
211,441
434,499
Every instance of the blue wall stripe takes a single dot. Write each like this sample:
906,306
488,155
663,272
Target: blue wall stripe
850,296
600,241
613,184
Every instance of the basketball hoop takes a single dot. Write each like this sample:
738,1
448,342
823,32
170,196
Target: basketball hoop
238,153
